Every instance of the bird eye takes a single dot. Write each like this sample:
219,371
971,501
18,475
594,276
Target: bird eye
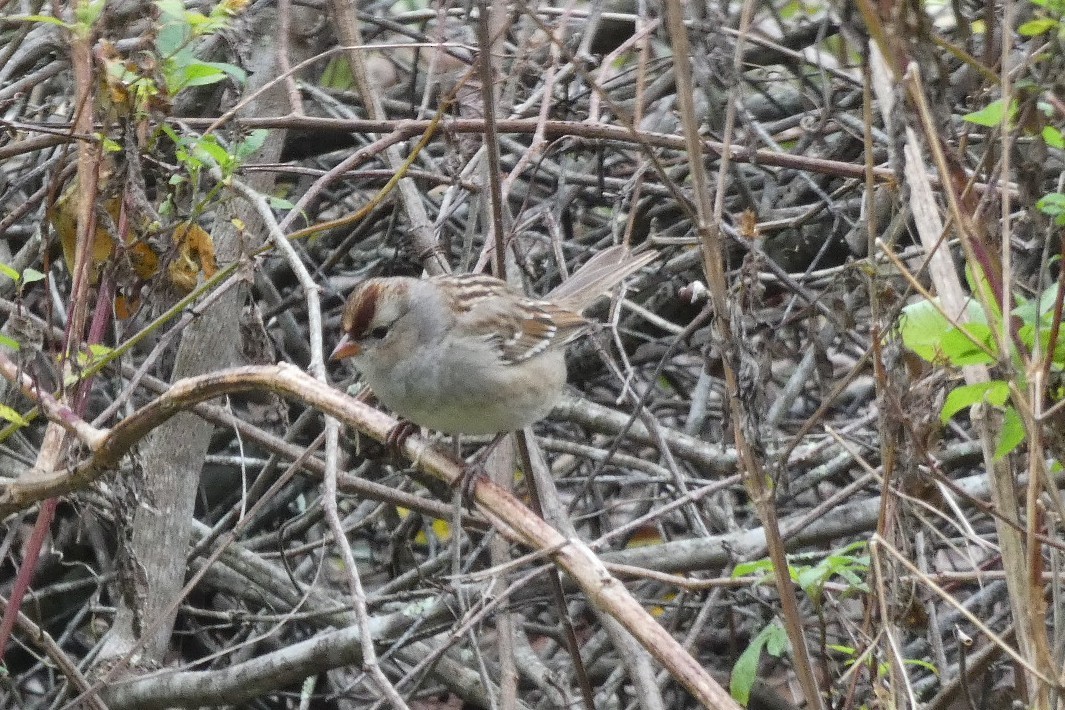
379,332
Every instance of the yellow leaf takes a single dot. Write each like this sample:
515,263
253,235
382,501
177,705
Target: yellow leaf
195,255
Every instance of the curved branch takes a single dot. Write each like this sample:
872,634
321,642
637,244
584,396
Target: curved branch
506,513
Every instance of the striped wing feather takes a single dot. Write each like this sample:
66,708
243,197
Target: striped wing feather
519,326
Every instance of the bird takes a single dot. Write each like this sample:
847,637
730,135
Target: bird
466,353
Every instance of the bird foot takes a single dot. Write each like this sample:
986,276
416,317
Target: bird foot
399,434
476,468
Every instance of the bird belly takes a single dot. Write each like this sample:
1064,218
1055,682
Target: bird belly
464,399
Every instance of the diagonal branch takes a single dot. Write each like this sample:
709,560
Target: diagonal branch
505,512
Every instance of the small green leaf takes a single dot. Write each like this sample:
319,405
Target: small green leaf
991,115
31,276
251,144
1034,28
109,144
1029,310
922,327
1053,205
99,352
746,569
12,416
209,147
86,13
745,671
922,664
929,334
1012,435
1053,138
8,342
196,20
808,578
201,74
1027,333
235,73
995,392
9,272
337,75
279,203
776,640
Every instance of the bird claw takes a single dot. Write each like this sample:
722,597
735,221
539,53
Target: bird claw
476,468
399,434
468,480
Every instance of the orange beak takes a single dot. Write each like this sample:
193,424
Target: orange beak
345,348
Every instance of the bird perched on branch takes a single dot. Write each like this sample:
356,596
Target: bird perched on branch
467,354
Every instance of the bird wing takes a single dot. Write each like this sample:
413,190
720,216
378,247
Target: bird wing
518,326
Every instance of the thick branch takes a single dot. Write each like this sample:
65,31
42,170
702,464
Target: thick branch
506,513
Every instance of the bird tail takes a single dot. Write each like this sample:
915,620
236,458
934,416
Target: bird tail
599,274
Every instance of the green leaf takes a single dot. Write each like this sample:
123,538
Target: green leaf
1012,435
991,115
197,21
856,583
279,203
9,272
99,352
809,579
86,13
995,392
922,664
235,73
960,349
96,353
200,74
922,327
209,147
248,147
1053,138
31,276
1053,205
1027,335
8,342
1040,308
337,75
776,640
12,416
746,569
172,37
1033,28
929,334
173,135
745,671
109,144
